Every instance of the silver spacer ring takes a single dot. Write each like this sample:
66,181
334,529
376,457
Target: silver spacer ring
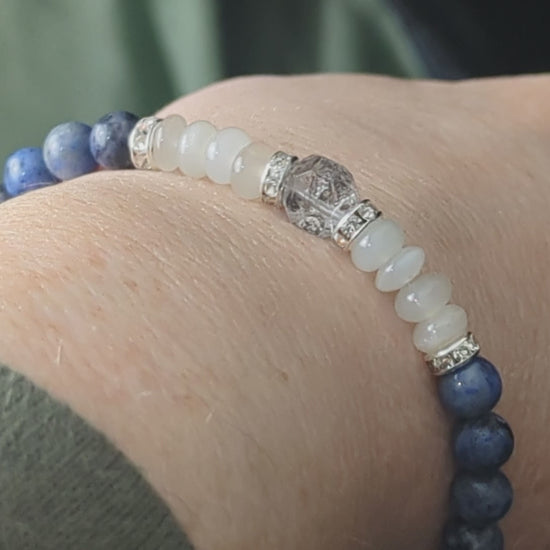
274,174
359,217
453,356
140,142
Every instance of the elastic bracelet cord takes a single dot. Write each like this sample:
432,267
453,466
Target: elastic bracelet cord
320,197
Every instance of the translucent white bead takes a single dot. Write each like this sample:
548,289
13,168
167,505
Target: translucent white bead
448,325
423,297
222,152
165,142
248,169
400,269
376,244
192,148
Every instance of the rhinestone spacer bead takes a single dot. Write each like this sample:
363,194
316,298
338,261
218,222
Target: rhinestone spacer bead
140,142
453,356
363,214
274,174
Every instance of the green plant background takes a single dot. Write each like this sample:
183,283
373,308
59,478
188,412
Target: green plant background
78,59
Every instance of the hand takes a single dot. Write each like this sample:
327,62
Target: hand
261,383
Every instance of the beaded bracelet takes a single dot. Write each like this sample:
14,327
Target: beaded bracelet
320,197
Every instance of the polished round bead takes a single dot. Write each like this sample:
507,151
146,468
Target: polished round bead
481,498
192,148
400,269
462,536
471,390
26,170
423,297
376,244
483,443
448,325
222,152
249,168
166,140
67,151
109,140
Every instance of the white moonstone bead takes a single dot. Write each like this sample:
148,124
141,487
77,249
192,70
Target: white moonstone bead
222,152
165,142
423,297
248,169
448,325
376,244
192,148
400,269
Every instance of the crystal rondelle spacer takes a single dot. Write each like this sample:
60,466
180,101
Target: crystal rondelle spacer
140,142
453,356
316,193
354,222
273,177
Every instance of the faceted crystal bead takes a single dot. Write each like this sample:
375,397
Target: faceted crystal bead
317,192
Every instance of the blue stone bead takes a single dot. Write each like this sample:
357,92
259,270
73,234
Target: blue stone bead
67,151
471,390
26,170
461,536
109,140
481,499
483,443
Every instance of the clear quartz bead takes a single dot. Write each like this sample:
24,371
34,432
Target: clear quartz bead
316,193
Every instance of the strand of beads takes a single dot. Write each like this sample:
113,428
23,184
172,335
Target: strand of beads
226,156
70,150
469,385
320,197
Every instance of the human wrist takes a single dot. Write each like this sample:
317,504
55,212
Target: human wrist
433,181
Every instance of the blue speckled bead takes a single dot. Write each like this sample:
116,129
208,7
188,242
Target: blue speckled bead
26,170
481,499
461,536
67,151
471,390
483,443
109,140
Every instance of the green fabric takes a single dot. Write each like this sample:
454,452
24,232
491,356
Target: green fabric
63,486
76,60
